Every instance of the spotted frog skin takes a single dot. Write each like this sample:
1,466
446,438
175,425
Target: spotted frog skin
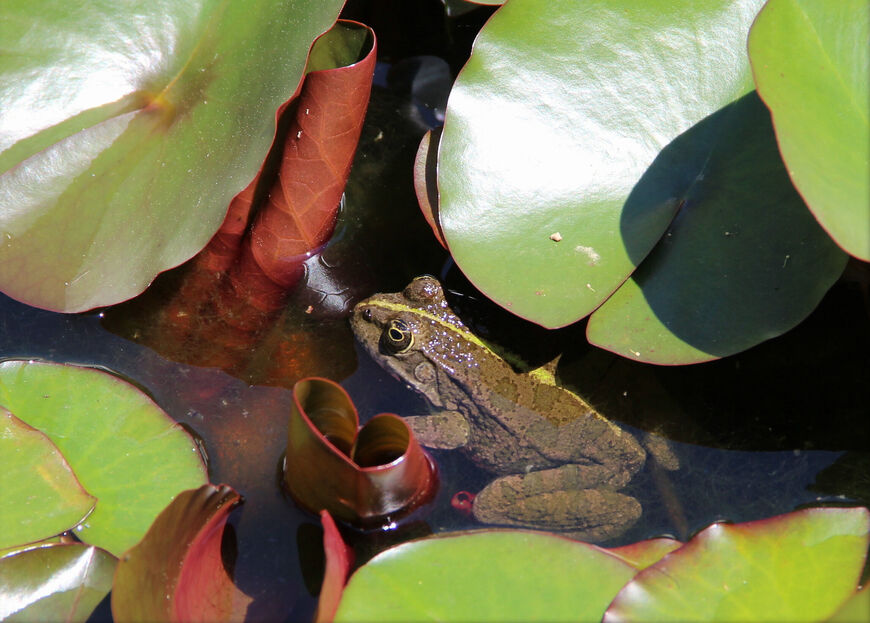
558,463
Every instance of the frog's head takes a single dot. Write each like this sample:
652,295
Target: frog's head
415,336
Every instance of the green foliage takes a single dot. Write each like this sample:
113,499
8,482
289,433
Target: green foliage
54,583
127,127
43,497
800,566
586,140
811,61
123,449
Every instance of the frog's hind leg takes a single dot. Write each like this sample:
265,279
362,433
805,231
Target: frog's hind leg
551,500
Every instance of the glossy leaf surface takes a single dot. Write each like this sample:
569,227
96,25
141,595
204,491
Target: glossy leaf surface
800,566
645,553
554,126
41,496
359,475
502,575
811,62
57,583
122,447
127,129
176,573
728,273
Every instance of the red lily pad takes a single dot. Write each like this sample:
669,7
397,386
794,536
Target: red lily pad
41,495
175,573
363,476
62,582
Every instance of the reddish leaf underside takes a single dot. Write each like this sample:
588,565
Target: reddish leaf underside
361,476
297,213
339,558
175,573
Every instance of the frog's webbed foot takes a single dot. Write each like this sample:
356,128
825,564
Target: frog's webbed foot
446,430
550,500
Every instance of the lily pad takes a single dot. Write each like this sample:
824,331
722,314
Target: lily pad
122,447
727,274
176,572
503,575
800,566
41,496
55,583
812,68
128,127
339,558
559,112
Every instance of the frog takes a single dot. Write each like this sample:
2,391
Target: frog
557,464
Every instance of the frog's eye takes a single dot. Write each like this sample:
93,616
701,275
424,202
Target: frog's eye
397,337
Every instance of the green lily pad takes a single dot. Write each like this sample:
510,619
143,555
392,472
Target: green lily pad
127,128
56,583
856,609
502,575
41,496
727,274
122,447
560,111
811,62
796,567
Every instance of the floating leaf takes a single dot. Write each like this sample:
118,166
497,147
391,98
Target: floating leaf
339,558
425,181
812,68
642,554
63,582
549,193
799,566
360,476
41,496
728,273
176,573
127,128
121,446
502,575
857,608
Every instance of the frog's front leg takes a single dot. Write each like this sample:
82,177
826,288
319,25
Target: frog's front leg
446,430
557,500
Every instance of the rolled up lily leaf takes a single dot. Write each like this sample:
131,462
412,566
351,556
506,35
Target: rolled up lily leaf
365,477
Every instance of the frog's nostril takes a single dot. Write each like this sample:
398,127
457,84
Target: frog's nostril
367,314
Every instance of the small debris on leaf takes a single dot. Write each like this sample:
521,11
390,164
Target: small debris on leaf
556,236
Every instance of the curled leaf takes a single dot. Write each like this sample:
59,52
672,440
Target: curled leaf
361,476
175,573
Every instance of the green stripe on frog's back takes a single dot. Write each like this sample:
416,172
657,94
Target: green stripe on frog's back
543,376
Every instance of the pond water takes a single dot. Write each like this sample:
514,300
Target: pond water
765,432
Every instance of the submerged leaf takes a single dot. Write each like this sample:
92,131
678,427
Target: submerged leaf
41,496
176,573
